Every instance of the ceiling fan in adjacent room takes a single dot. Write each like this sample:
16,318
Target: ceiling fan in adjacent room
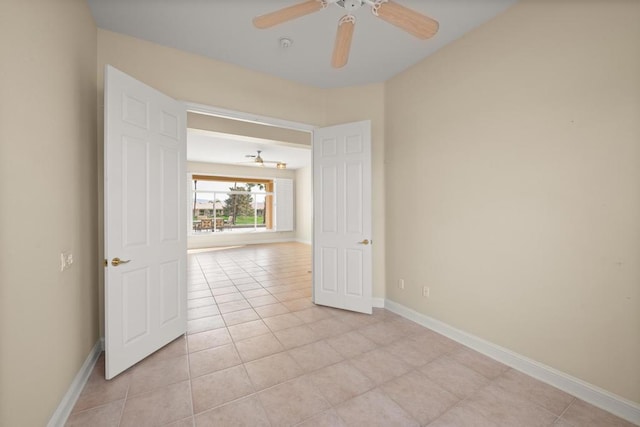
402,17
259,161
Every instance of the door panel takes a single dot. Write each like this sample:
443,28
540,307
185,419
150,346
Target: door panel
145,196
342,222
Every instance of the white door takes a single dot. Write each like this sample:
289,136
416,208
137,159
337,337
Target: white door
342,216
145,196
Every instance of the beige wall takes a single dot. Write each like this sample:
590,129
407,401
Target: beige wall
513,186
48,318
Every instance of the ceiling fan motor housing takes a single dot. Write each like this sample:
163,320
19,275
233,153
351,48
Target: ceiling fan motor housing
350,4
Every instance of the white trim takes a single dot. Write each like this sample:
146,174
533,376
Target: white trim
60,416
306,242
594,395
247,117
378,302
211,244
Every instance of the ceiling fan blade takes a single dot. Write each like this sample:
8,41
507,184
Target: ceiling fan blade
407,19
343,41
288,13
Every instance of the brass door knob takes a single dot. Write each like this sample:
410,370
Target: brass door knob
117,261
364,242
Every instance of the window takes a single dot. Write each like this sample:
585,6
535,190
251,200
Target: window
240,204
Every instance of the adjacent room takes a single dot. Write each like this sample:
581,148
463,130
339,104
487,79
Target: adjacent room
402,212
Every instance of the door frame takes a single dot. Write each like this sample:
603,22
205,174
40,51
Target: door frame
194,107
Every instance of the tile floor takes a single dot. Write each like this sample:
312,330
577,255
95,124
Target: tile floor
259,353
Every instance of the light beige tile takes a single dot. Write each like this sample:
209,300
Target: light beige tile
408,351
428,339
406,326
151,374
208,339
212,390
291,295
580,413
213,359
200,302
185,422
549,397
507,409
312,314
218,283
229,307
380,366
200,312
177,347
355,320
248,329
263,300
249,286
205,324
198,294
272,370
454,377
423,399
298,304
271,310
242,279
382,333
462,416
292,402
258,347
282,321
351,344
223,291
246,412
296,336
102,416
255,293
482,364
99,391
329,327
340,382
229,297
241,316
372,409
315,356
328,418
161,406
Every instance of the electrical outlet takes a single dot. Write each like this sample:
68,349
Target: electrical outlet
401,283
66,260
425,291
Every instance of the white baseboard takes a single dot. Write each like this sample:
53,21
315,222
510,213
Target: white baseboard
60,416
377,302
306,242
594,395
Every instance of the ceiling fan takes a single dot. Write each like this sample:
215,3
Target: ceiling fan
259,161
402,17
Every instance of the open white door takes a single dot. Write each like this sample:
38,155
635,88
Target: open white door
342,216
145,195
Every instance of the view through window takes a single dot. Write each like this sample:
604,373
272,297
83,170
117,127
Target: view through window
231,204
